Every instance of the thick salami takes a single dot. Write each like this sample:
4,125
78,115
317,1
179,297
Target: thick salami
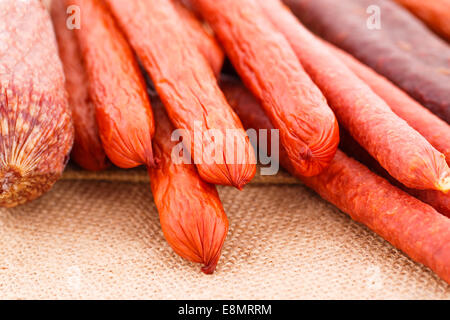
36,132
403,49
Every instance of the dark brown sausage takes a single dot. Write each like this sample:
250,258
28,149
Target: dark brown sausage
403,49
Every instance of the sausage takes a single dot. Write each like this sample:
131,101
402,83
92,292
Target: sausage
117,87
401,150
407,223
437,199
432,128
188,89
435,14
197,32
269,68
402,49
87,149
191,213
36,132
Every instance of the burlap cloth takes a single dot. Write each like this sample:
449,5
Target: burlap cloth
98,236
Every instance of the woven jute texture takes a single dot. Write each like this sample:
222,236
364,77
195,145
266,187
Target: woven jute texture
97,236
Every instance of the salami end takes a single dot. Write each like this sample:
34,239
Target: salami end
36,132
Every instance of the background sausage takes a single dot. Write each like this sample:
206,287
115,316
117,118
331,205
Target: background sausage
198,33
87,149
434,129
401,150
435,14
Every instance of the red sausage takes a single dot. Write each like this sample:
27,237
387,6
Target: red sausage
434,129
407,223
269,68
206,42
36,132
191,214
188,88
87,149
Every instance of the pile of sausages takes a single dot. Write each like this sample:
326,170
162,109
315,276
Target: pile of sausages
136,72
